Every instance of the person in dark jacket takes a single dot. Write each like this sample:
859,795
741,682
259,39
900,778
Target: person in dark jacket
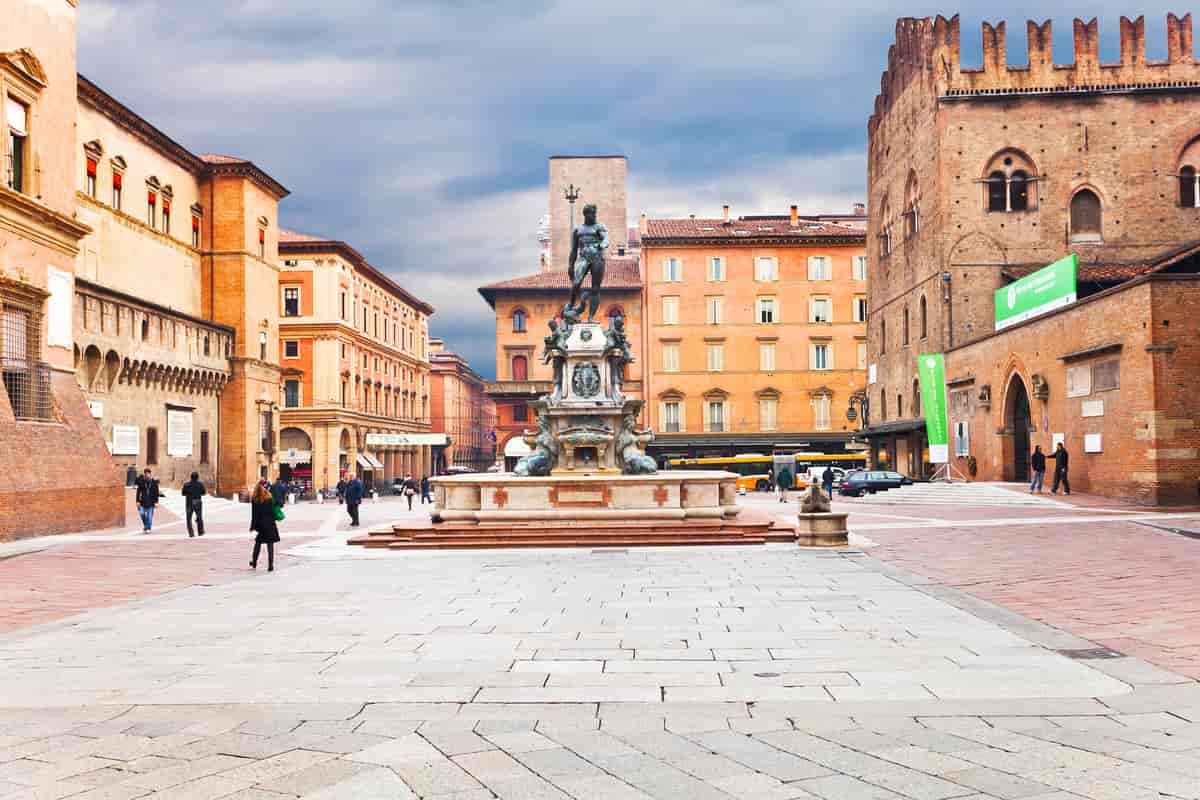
784,484
147,499
1062,461
425,498
262,523
410,490
192,491
1037,462
279,492
827,482
341,490
354,496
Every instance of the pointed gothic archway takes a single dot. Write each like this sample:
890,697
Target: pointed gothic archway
1019,423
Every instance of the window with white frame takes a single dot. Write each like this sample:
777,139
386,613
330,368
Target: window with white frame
291,349
821,356
860,309
670,310
820,268
822,410
672,270
151,208
671,416
767,311
766,356
859,272
16,115
819,310
768,413
291,301
861,361
714,307
670,356
291,394
714,416
716,356
716,268
766,268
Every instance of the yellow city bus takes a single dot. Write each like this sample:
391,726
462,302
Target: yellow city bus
755,469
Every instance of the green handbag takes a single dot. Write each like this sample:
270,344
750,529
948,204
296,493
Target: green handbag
279,517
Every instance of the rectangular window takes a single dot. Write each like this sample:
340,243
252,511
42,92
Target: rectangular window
766,268
1106,375
862,355
820,268
714,305
670,357
166,216
17,115
768,413
821,357
343,306
291,301
116,196
203,447
266,430
671,416
196,232
520,412
262,243
714,416
819,311
672,270
716,268
860,268
291,349
860,309
151,446
766,356
1079,380
90,179
716,357
670,310
366,313
962,439
291,394
151,208
344,392
766,310
821,412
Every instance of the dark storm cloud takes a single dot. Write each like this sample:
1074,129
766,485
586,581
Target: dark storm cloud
419,131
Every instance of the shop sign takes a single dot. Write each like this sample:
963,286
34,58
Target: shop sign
931,371
1049,288
405,439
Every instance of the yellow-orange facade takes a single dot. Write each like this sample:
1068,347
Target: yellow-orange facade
354,349
755,334
462,410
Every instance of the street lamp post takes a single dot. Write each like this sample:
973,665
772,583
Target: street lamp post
860,408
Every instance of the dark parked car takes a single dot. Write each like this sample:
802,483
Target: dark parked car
871,481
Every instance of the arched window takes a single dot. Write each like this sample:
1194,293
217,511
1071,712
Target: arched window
1189,188
912,205
518,319
904,333
882,336
520,368
1086,217
1010,180
1018,190
924,319
997,192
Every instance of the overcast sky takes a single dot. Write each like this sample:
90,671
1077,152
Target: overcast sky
419,131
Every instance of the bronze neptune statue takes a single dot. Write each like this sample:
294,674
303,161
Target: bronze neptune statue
588,243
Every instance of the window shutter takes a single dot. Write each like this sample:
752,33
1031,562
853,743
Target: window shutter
116,180
262,236
151,198
91,167
196,227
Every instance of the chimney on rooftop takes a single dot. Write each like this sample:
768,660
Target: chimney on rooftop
795,217
643,224
860,209
725,212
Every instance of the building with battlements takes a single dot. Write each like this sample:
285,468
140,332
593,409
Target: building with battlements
980,176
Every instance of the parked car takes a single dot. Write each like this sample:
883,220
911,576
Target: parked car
870,482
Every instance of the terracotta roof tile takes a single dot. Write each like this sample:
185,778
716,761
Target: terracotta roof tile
745,228
620,272
286,236
1118,272
217,158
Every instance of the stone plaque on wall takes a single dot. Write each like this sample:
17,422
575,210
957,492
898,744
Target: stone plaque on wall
59,308
180,432
1093,408
126,440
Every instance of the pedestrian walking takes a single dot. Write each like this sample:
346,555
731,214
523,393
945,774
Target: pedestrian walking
192,491
784,483
410,490
1062,462
354,496
279,492
263,524
341,490
827,481
425,498
1037,463
147,499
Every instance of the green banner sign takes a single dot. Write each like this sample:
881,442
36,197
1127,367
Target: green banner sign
931,371
1045,290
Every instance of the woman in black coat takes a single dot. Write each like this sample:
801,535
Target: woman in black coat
262,521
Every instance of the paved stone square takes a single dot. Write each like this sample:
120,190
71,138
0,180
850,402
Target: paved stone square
758,672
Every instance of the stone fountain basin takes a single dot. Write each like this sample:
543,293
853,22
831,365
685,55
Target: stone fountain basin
505,498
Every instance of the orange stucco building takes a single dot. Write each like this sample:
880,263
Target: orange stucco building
460,409
755,334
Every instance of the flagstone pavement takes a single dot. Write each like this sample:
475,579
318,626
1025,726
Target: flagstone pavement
764,672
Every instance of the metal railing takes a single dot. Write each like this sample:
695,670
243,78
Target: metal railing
28,386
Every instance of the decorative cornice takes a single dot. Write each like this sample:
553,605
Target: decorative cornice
247,169
39,223
23,63
359,261
756,241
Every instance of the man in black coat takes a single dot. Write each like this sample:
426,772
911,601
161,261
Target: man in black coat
341,490
192,491
147,499
1062,461
279,492
354,496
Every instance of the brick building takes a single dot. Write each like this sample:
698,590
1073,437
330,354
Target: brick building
52,453
979,176
755,332
355,367
460,409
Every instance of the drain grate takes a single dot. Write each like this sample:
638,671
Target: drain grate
1091,653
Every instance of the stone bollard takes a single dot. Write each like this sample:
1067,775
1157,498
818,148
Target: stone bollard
816,524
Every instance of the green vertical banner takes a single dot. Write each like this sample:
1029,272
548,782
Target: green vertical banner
931,371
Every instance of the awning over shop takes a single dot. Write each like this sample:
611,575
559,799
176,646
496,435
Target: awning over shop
368,461
406,439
